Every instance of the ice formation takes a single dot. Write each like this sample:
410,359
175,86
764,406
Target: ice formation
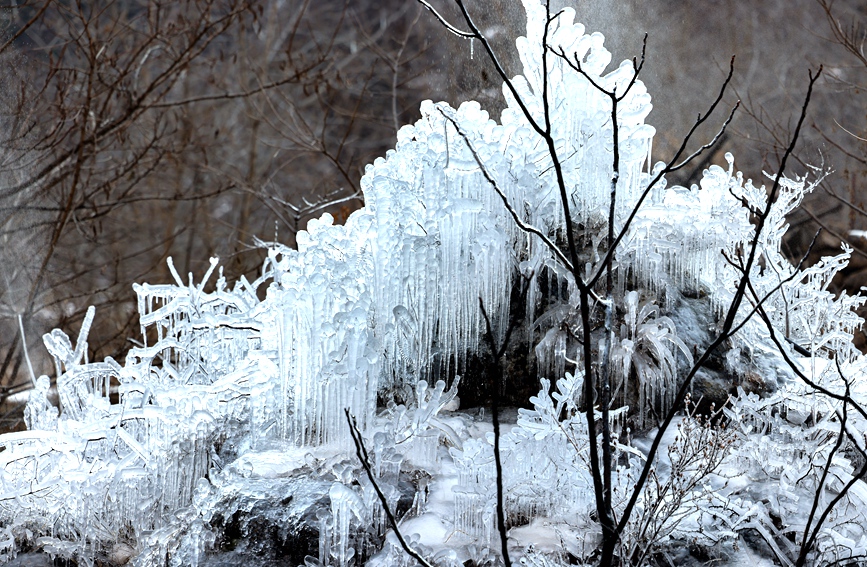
388,306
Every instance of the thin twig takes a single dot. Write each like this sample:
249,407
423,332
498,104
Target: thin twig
795,272
609,254
518,221
453,29
808,539
605,351
24,348
728,323
495,417
361,452
763,315
831,231
26,26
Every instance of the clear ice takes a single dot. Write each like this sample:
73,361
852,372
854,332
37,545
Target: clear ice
387,306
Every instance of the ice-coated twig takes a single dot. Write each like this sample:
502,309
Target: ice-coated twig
171,263
451,28
80,353
361,453
24,347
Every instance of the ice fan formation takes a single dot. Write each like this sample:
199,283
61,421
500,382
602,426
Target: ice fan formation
232,409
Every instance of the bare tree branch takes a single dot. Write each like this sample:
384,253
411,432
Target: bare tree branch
361,453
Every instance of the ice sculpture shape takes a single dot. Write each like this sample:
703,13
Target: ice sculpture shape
388,304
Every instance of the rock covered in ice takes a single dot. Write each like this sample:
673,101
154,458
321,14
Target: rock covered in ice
229,428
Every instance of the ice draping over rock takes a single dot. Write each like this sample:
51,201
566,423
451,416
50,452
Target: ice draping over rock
386,307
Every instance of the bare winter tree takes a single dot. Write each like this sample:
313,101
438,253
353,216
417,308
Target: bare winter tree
833,139
135,131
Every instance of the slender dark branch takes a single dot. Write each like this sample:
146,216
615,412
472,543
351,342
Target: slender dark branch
589,399
845,201
26,26
518,221
555,158
635,67
795,272
809,539
609,254
361,452
772,196
599,485
577,67
453,29
609,305
708,145
606,519
546,107
263,87
831,231
497,352
834,501
609,537
544,132
501,71
728,323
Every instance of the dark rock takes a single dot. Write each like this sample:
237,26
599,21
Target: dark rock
756,370
272,522
273,519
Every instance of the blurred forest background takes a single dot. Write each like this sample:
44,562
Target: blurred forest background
135,130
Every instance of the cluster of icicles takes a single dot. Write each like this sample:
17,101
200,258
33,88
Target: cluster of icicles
387,303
